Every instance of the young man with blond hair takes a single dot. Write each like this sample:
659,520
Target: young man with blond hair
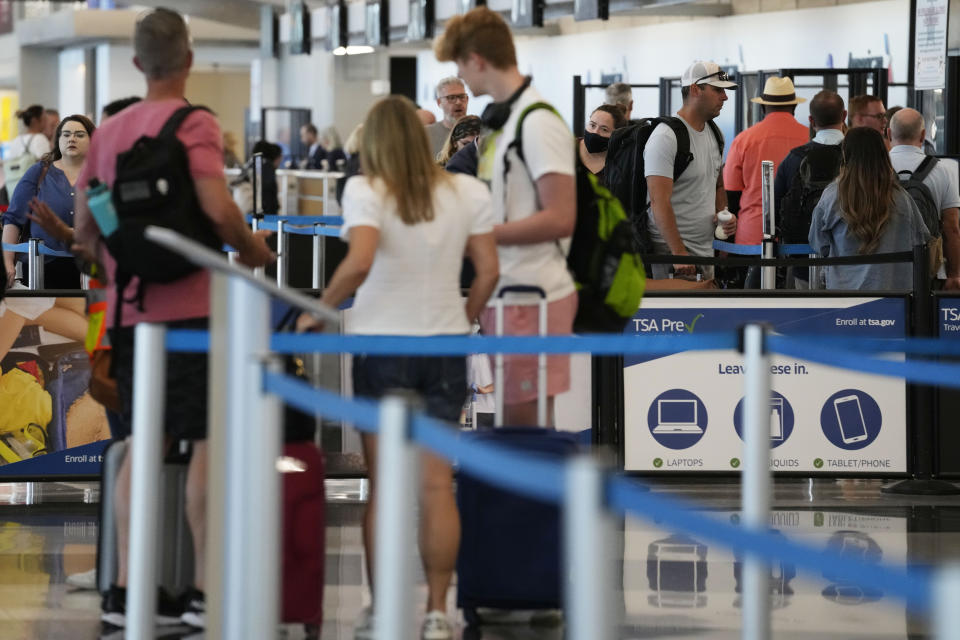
534,197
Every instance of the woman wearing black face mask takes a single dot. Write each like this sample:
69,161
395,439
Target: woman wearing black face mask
592,147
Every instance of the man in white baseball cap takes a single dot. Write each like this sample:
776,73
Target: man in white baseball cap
683,208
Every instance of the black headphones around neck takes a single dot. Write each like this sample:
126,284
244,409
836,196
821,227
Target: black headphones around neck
496,114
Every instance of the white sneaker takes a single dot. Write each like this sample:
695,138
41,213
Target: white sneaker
436,627
86,580
363,627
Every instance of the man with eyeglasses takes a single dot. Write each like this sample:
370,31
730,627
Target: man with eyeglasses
868,111
683,209
452,99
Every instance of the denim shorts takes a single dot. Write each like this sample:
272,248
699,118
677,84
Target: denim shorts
440,382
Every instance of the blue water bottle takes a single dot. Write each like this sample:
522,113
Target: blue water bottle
101,206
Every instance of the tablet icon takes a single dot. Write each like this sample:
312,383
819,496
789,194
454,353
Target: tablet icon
851,419
677,419
781,419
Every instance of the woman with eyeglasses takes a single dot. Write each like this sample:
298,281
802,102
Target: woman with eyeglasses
592,147
45,195
866,211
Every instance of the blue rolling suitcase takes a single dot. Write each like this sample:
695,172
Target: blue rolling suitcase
510,546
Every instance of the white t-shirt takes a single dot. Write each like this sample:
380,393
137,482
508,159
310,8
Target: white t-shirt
548,147
413,287
694,196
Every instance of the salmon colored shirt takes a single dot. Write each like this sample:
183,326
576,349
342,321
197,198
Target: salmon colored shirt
770,139
188,297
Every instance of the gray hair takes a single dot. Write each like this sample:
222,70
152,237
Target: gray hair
906,125
446,82
161,43
618,93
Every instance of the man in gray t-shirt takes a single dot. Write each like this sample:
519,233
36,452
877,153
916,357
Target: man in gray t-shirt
907,134
452,99
683,213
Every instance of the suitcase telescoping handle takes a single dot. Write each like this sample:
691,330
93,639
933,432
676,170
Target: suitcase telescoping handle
498,389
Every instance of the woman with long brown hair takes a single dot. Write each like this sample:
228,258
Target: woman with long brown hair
48,186
408,224
865,211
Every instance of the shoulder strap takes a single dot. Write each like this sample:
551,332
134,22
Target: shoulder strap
683,158
173,123
518,133
718,135
43,174
922,171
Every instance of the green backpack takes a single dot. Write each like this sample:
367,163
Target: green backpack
604,259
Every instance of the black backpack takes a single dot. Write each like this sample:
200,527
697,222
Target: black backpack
153,186
819,167
602,260
623,172
912,182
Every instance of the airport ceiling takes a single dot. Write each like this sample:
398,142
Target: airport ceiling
241,13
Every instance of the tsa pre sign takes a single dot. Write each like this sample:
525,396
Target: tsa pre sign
684,410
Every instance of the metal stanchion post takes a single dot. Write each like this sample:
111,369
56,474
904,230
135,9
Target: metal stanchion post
35,262
397,487
946,595
233,256
317,263
814,273
326,194
755,477
768,275
146,451
922,421
589,538
252,527
215,571
283,247
84,282
284,185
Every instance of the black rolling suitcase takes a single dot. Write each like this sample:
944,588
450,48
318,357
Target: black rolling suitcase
510,547
176,561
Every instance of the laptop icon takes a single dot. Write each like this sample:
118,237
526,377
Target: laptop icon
677,416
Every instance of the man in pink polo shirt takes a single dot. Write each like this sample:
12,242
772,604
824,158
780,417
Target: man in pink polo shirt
770,139
163,55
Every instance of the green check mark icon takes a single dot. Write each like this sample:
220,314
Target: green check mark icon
693,323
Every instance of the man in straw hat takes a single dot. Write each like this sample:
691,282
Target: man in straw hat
770,139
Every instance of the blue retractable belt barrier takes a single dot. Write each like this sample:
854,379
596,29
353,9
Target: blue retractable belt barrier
194,340
335,221
24,247
933,373
739,249
543,479
299,230
756,249
794,249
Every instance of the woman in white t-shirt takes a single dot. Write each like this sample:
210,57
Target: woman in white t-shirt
32,139
408,224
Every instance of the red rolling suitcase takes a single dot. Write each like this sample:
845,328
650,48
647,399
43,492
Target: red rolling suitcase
303,542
